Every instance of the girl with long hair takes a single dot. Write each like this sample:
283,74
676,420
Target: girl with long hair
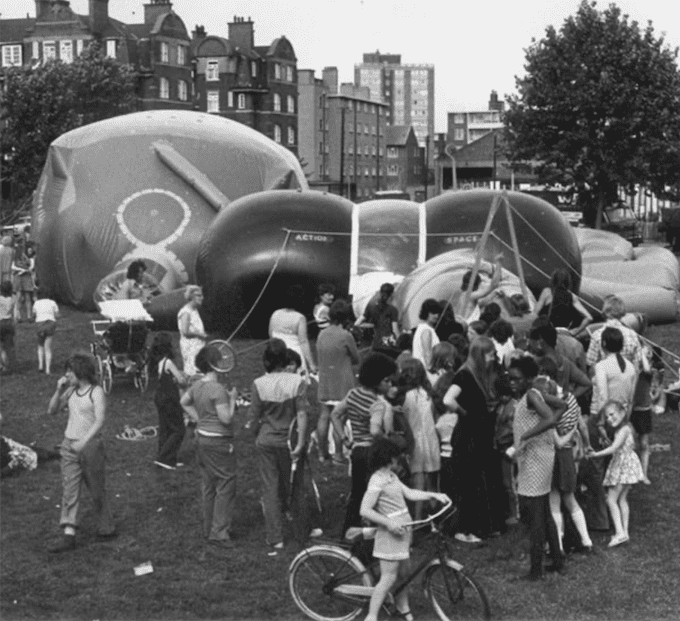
472,441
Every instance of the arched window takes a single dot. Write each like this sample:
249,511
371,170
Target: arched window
277,133
277,102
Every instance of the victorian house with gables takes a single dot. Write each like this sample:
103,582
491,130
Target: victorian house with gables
254,85
159,49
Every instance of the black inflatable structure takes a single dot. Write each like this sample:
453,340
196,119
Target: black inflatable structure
267,241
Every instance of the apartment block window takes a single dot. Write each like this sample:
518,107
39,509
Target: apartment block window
253,69
289,73
351,149
372,172
164,89
366,151
291,103
459,119
277,133
241,101
291,135
277,72
49,50
181,54
213,99
366,128
212,70
373,129
321,148
350,105
320,125
36,49
165,52
277,102
79,47
11,56
321,101
230,99
182,90
374,150
459,134
111,48
393,170
366,172
66,51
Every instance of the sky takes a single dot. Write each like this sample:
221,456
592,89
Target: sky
475,47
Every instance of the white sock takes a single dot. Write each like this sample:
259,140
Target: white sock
559,523
581,526
69,530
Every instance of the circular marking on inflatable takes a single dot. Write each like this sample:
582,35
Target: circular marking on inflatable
132,238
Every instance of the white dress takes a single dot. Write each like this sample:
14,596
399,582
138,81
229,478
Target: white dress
190,346
419,351
284,325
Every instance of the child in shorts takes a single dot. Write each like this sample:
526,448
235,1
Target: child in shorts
384,503
45,314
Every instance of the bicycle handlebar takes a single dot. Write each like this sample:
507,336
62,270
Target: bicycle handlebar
430,518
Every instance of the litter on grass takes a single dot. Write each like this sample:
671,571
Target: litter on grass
143,569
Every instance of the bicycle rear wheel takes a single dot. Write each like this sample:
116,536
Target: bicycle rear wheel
454,594
319,579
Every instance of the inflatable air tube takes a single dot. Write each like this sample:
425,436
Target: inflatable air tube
144,185
659,305
595,243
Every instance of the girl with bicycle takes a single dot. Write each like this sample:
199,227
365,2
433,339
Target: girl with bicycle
384,503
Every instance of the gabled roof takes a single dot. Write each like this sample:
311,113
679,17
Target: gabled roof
479,153
397,135
14,30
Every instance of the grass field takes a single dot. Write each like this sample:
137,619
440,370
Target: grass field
158,517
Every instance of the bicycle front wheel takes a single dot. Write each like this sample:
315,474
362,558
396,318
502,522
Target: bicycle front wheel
454,594
329,584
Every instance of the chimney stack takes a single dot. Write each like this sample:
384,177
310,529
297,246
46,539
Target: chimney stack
242,33
154,9
99,16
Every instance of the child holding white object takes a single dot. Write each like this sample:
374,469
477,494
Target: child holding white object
384,503
624,469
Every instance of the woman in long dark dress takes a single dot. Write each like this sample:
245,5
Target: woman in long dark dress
472,442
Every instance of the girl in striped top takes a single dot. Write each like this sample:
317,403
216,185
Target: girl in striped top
374,380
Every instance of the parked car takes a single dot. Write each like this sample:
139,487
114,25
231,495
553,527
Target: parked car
619,218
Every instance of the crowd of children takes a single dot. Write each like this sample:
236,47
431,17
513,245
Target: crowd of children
494,423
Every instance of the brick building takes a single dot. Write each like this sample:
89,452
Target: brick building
405,160
158,48
254,85
342,136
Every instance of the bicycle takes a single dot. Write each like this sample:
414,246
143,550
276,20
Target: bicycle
329,582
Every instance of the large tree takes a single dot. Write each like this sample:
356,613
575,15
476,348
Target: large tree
39,104
598,107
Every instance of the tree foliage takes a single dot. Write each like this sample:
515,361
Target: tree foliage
599,106
41,103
